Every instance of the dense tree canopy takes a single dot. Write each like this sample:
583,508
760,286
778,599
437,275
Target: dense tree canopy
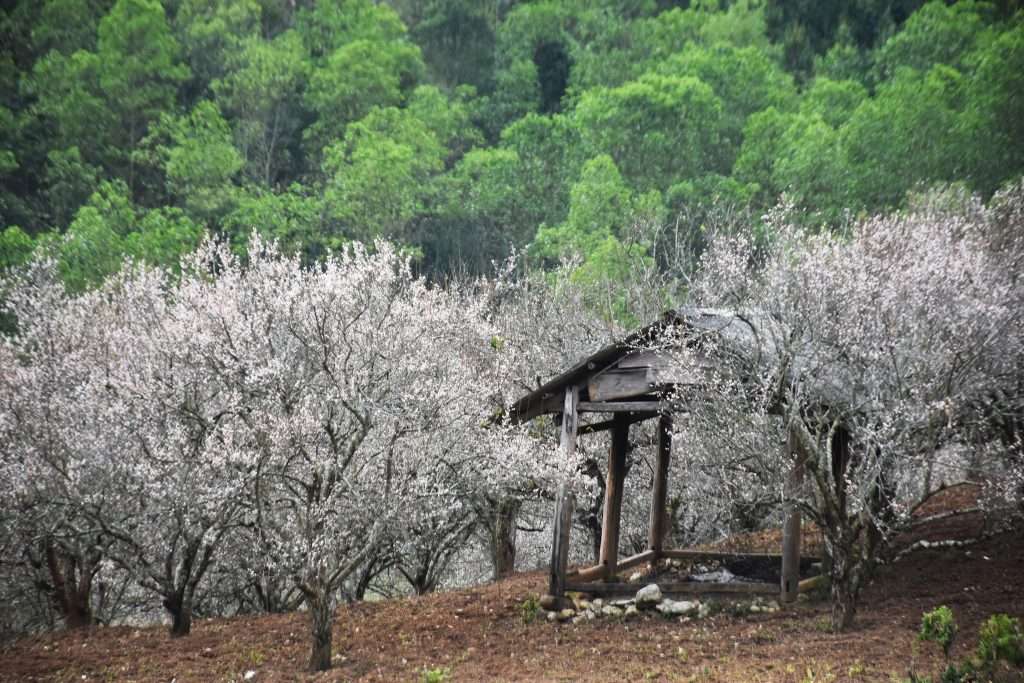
223,111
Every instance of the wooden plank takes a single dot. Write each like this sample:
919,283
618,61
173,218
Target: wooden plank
565,504
789,583
658,528
648,358
624,407
537,405
609,553
663,368
613,384
685,587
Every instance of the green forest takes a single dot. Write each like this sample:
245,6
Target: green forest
588,132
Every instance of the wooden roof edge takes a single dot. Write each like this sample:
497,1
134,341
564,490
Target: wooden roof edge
533,404
699,319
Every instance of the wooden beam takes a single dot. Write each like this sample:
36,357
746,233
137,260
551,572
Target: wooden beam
595,427
659,522
565,504
605,425
789,583
589,574
609,554
723,556
624,407
813,583
685,587
635,560
599,571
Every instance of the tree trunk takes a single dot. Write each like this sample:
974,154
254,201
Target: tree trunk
423,586
78,614
844,605
845,582
180,607
321,622
503,538
71,586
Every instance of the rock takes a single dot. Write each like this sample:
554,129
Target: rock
598,603
772,606
815,582
552,616
675,608
577,619
755,608
249,675
578,601
631,612
611,611
718,576
648,596
590,615
566,614
703,611
621,602
635,577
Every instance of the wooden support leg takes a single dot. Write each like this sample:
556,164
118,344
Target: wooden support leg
613,496
564,507
790,555
659,520
791,528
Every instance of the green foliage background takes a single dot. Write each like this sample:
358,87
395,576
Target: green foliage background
466,129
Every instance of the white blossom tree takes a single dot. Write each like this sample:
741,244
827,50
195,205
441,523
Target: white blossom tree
128,434
48,437
866,354
363,410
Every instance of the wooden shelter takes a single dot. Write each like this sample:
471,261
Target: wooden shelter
622,384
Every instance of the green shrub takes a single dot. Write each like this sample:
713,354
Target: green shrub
1001,639
437,675
954,674
529,609
939,627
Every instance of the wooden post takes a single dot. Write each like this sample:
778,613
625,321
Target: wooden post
613,496
789,588
656,539
565,505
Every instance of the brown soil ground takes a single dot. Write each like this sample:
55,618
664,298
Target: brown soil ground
479,634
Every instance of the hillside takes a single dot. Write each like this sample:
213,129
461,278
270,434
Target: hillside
478,634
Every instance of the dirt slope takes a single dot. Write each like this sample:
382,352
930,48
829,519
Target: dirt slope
479,634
